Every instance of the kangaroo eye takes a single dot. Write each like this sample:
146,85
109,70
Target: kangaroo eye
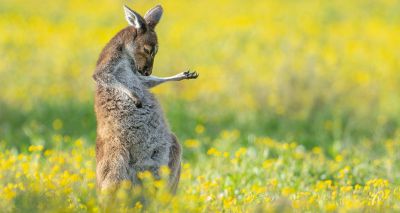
146,50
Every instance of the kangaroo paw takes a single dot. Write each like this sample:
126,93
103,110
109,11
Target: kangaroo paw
191,75
138,103
135,100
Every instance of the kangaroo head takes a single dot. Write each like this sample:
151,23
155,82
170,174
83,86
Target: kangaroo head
144,46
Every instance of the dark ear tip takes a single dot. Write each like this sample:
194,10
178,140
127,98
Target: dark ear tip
158,7
126,8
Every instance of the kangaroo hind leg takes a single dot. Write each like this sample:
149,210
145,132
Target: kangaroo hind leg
174,164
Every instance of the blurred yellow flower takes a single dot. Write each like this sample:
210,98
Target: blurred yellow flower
275,68
317,150
35,148
57,124
267,164
287,191
330,207
199,129
192,143
138,206
242,151
213,151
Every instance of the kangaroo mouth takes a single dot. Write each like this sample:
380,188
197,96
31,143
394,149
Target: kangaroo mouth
142,71
145,72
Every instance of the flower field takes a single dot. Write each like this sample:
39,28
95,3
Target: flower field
297,106
267,176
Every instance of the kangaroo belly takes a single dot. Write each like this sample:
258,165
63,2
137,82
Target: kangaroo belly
142,131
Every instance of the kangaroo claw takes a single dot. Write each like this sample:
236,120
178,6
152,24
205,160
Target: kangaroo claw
137,103
191,75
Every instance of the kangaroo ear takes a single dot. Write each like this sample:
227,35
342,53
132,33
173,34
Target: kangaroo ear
153,16
135,19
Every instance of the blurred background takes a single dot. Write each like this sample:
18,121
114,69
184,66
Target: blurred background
321,73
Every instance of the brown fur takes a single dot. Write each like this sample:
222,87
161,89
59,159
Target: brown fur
132,133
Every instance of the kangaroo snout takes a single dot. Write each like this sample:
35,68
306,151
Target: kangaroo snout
147,70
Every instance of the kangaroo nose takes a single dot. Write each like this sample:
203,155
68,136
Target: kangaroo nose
146,73
146,70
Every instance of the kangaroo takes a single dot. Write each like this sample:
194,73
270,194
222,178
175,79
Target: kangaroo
132,133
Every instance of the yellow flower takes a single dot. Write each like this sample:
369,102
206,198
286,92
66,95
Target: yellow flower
273,182
91,185
9,192
122,195
192,143
138,206
57,124
240,152
268,163
233,135
343,172
330,207
144,175
165,171
199,129
346,189
213,151
48,152
79,143
338,158
226,154
317,150
298,204
287,191
36,148
57,138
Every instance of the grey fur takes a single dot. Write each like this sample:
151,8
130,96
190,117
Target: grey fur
132,133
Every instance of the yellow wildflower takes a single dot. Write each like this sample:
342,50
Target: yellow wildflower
199,129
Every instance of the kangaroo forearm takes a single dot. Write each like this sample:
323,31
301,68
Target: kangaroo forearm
152,81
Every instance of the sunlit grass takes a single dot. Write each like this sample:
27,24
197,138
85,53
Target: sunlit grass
296,106
268,175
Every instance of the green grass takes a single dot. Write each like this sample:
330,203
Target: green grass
296,106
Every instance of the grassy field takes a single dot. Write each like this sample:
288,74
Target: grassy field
297,106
